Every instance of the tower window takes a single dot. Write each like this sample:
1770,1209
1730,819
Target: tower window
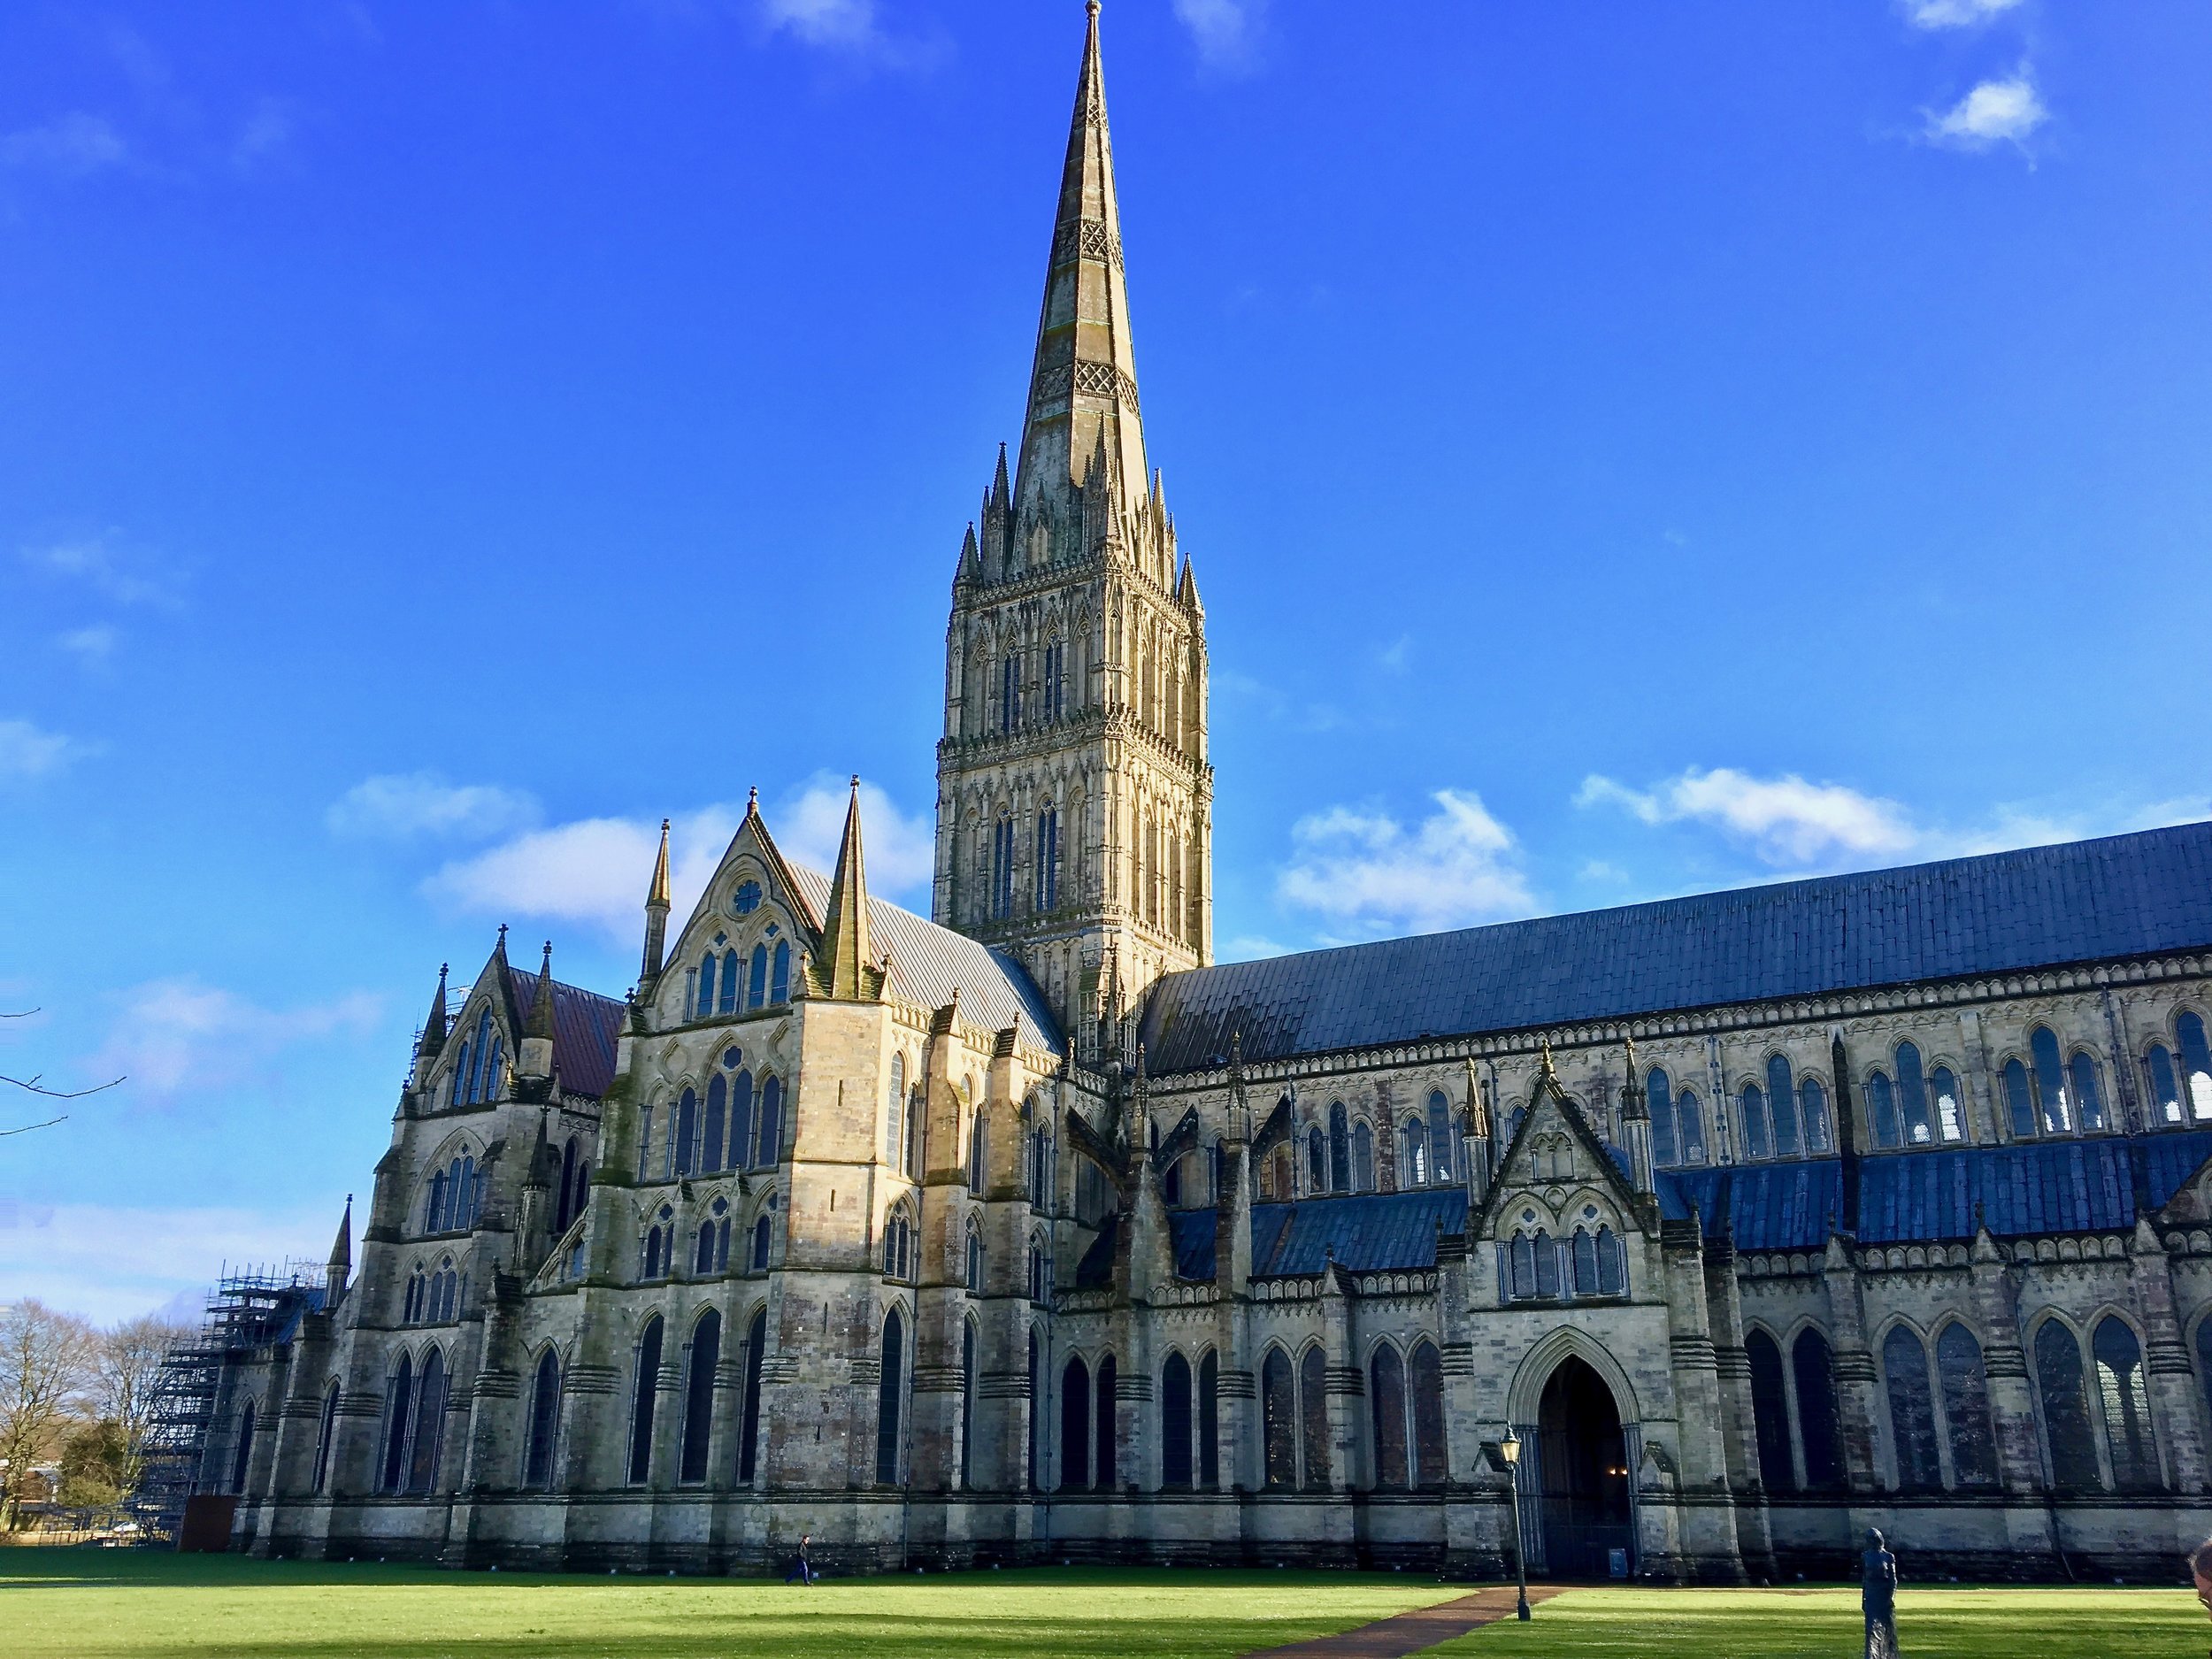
1049,859
1009,694
1054,689
1002,868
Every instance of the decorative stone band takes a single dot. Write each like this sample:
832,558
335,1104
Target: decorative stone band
2167,1359
301,1408
2005,1359
1132,1385
497,1384
1085,239
1696,1353
1286,1289
361,1403
668,1380
1732,1363
780,1368
591,1379
867,1370
1421,1284
1003,1385
1343,1379
729,1373
1237,1385
1459,1359
1855,1365
1103,380
939,1379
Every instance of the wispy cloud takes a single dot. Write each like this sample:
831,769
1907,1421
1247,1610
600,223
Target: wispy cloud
264,137
1805,828
1786,820
177,1037
1954,14
28,753
411,805
110,1262
73,146
844,24
901,852
1372,875
1227,32
127,576
91,646
1995,112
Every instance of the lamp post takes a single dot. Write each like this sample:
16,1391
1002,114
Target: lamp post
1509,1449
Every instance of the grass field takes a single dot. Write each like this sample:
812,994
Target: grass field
91,1604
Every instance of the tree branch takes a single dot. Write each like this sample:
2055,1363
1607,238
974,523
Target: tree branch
26,1128
32,1084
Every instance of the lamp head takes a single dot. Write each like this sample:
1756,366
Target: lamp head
1509,1449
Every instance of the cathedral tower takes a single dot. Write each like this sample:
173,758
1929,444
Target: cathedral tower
1074,798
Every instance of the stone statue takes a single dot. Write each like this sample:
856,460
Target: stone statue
1878,1596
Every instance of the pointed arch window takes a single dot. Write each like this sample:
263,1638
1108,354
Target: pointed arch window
545,1420
760,1244
898,1247
1612,1263
1413,1153
644,1385
757,986
1386,1409
2081,1072
423,1455
1105,1463
771,1152
1441,1160
895,1116
326,1434
2065,1409
2196,1064
2056,1113
717,1109
399,1404
706,1353
1915,1122
890,1399
2165,1086
1585,1263
2125,1405
1054,686
1175,1422
1313,1419
1659,1102
242,1456
1010,692
687,1132
1278,1402
1912,1427
645,1144
476,1064
979,1153
741,1121
1758,1138
1812,1102
968,1378
1782,1102
1209,1421
1339,1149
1965,1390
1002,868
1818,1430
1363,1156
779,973
1317,1161
2019,1100
974,1277
1049,859
1881,1111
704,981
1950,1112
1770,1412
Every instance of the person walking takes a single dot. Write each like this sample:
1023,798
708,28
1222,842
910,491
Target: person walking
1878,1595
2200,1570
802,1569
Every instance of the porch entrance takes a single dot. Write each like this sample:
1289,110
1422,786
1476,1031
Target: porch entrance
1583,1465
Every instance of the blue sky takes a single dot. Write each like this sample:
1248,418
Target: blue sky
1625,449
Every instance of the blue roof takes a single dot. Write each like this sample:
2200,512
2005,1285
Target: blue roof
2036,1187
2124,896
1368,1233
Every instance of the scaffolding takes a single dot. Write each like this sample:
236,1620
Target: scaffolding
192,1438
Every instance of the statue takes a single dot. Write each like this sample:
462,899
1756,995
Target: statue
1878,1596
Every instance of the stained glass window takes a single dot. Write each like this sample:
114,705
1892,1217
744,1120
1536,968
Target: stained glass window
1387,1401
1770,1412
1757,1136
2125,1404
2019,1102
1881,1109
1659,1102
1817,1428
1966,1407
1912,1429
1912,1097
1782,1102
2065,1410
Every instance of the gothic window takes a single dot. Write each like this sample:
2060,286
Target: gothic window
1770,1412
721,1241
399,1402
1813,1104
889,1399
422,1461
325,1433
780,976
1522,1254
1881,1111
1040,1272
1782,1102
967,1404
894,1124
757,983
704,981
492,1068
1424,1372
741,1121
1440,1158
410,1305
1950,1114
1049,859
1278,1400
717,1109
2196,1064
1966,1407
898,1247
1313,1418
645,1144
706,1353
2125,1403
749,1426
544,1424
703,1251
979,1153
1039,1169
2065,1410
459,1094
1054,688
771,1152
1387,1402
732,972
1105,1465
1339,1149
1612,1263
241,1458
1317,1162
2081,1072
1912,1097
1009,692
434,1204
2057,1114
1912,1429
1075,1426
2019,1103
1036,1415
644,1380
478,1077
1172,1185
761,1232
1817,1428
1175,1422
1209,1421
1758,1140
1413,1153
2204,1356
687,1132
974,1277
1547,1264
1585,1263
1690,1121
1659,1102
2165,1090
1362,1157
649,1266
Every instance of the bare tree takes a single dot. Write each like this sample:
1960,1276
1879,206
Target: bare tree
126,1362
34,1085
45,1364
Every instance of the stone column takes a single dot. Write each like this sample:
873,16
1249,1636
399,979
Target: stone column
2005,1365
1344,1385
2172,1379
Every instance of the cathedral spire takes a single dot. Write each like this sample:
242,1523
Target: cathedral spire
1083,388
656,916
341,1264
843,966
434,1026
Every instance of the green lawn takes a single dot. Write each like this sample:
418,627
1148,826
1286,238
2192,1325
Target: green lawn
92,1604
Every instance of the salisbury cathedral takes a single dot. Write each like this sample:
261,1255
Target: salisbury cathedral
1027,1232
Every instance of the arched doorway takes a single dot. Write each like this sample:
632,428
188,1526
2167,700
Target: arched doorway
1582,1463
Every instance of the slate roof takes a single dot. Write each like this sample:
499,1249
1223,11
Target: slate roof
585,1025
2030,1187
2124,896
928,962
1367,1234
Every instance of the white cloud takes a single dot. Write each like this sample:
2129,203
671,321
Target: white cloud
174,1037
1995,112
1786,820
73,146
264,137
26,752
111,1263
402,806
1458,866
128,577
1953,14
842,24
91,646
594,870
1226,32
